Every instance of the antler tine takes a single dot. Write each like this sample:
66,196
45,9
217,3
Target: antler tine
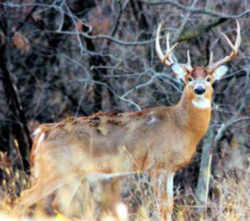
235,47
188,65
157,43
167,58
211,58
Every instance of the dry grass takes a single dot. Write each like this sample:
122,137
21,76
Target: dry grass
229,200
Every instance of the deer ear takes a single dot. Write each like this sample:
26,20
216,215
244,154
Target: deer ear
179,71
220,72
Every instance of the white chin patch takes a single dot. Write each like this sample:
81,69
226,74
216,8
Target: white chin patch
201,102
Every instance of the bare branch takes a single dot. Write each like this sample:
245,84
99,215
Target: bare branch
228,124
196,10
107,37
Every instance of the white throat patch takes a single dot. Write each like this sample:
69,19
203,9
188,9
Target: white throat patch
201,102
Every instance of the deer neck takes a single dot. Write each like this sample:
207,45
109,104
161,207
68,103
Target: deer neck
194,119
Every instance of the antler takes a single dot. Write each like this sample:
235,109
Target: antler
167,58
212,66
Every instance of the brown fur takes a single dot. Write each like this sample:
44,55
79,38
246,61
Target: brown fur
65,153
130,137
148,140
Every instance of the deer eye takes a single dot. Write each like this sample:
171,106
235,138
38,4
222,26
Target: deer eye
208,79
190,79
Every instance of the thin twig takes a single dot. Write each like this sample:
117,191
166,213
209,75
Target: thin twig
107,37
196,10
185,21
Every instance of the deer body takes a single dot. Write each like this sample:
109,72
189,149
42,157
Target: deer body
162,137
148,140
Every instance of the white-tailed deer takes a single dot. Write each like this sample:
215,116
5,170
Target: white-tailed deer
151,140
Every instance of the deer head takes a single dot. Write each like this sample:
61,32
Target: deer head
198,80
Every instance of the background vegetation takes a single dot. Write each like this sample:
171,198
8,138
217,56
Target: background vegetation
71,58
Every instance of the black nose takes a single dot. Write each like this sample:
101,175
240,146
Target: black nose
199,90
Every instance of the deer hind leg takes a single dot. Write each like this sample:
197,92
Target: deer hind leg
106,195
41,189
91,199
70,198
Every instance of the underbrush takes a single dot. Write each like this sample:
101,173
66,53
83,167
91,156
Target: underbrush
228,200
